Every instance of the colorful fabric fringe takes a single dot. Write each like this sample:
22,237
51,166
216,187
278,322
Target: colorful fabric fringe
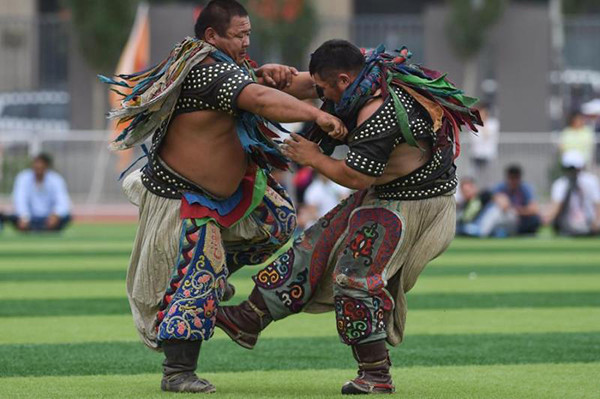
384,70
228,212
153,94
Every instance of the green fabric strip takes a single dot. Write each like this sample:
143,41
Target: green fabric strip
439,86
401,115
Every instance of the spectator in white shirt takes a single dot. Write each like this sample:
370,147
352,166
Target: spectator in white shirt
40,198
484,145
321,196
575,209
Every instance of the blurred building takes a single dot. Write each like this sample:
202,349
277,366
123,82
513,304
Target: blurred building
516,70
39,50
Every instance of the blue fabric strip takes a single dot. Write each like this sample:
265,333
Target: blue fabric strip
223,208
145,149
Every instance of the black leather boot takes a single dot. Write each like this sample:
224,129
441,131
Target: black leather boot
229,292
181,359
244,322
373,370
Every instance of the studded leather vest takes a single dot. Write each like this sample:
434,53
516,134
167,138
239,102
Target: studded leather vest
372,142
207,87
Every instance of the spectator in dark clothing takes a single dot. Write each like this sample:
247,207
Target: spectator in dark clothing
515,197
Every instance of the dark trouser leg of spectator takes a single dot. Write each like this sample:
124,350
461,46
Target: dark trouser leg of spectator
12,219
41,224
38,224
64,221
529,224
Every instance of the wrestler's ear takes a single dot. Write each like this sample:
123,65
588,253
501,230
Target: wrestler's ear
210,36
344,80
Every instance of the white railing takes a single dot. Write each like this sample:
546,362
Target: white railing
82,157
92,171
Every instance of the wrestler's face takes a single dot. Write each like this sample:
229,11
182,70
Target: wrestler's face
333,88
236,40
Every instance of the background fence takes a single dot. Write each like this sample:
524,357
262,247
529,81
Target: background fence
92,174
35,54
81,157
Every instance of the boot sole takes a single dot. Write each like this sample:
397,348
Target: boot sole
352,388
208,389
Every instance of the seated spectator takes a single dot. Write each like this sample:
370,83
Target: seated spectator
516,200
40,198
575,208
578,136
470,208
321,196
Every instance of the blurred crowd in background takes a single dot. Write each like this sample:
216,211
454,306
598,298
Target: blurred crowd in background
533,166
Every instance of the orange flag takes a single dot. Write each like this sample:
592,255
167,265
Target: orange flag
135,57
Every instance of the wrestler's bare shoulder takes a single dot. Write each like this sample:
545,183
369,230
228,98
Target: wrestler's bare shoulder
404,159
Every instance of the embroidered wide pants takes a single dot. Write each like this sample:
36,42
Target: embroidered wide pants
359,260
178,268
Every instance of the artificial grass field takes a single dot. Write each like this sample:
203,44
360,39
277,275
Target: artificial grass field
489,319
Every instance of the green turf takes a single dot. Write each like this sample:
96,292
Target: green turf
452,284
302,354
512,270
447,301
520,283
450,300
548,381
515,318
105,274
508,258
66,253
9,265
69,275
76,329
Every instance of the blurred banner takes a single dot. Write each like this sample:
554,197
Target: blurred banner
135,57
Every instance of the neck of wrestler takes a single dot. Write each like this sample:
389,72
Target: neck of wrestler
404,159
203,146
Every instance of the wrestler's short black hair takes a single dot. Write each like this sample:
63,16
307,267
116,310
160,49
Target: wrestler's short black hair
45,158
217,15
334,56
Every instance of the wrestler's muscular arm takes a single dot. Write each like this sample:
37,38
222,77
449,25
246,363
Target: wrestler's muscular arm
302,87
287,79
281,107
308,153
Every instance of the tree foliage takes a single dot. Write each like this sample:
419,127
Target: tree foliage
286,27
468,23
102,28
